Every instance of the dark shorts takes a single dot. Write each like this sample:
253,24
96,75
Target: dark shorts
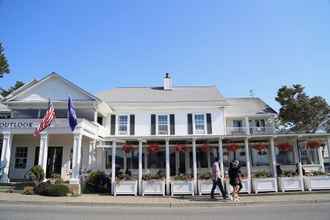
235,182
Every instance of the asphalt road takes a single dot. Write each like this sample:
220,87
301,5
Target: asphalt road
311,211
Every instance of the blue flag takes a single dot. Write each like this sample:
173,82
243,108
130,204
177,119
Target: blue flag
72,117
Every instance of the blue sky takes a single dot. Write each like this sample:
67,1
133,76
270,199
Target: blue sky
236,45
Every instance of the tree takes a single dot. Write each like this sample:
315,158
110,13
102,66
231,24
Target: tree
5,92
300,112
4,67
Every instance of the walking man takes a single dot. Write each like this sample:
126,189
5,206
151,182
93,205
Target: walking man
216,178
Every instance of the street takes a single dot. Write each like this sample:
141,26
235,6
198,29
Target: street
308,211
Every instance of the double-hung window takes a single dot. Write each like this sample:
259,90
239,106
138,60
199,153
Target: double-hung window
199,123
162,124
123,124
21,157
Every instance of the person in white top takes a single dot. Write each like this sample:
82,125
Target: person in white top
216,178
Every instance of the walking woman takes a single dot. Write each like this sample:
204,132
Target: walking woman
216,177
235,179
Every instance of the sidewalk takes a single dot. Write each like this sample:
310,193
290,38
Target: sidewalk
153,201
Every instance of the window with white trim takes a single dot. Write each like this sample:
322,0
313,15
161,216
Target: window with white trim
199,123
163,124
21,157
123,124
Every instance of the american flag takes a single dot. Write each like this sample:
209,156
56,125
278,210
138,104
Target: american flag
47,119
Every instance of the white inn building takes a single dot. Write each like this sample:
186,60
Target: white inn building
170,131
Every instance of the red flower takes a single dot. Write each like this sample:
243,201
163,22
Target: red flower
153,148
180,148
205,148
260,147
313,144
284,147
233,147
127,148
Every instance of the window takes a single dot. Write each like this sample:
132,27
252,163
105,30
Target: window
237,123
199,123
162,124
122,124
4,115
21,157
260,123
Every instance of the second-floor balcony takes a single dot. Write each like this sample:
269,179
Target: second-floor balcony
237,131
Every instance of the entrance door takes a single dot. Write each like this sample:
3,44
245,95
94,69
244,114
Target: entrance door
54,161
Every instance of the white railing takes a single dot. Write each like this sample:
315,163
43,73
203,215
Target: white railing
236,131
261,130
252,130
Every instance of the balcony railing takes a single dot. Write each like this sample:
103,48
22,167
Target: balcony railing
236,131
252,130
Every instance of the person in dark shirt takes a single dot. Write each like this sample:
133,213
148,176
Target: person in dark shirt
279,170
235,179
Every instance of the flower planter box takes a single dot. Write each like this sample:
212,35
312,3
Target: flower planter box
317,182
205,186
294,183
125,187
268,184
153,187
182,187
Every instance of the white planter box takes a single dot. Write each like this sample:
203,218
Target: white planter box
268,184
290,183
180,187
126,187
246,186
317,182
205,186
153,187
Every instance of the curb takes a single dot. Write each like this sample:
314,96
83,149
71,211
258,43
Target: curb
166,205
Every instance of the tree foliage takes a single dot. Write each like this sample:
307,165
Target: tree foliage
301,112
4,66
17,85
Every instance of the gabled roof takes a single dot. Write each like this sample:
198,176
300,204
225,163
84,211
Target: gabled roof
248,106
159,95
34,83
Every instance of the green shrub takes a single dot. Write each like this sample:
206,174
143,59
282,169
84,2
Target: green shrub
47,189
205,176
288,173
37,174
262,174
28,190
97,182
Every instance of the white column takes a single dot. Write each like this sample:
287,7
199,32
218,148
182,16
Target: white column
220,152
248,163
140,166
113,167
247,125
5,155
76,158
91,154
194,163
177,162
187,161
125,162
328,145
273,155
145,158
321,159
43,151
208,159
95,116
167,165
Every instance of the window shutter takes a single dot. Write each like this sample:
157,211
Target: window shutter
153,125
190,124
132,124
209,123
172,124
113,124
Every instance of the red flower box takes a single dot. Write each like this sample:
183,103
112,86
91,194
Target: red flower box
153,148
284,147
233,147
205,148
180,148
127,148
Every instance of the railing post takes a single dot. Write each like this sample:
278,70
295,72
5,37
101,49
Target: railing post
194,164
247,125
167,165
113,167
248,163
140,166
